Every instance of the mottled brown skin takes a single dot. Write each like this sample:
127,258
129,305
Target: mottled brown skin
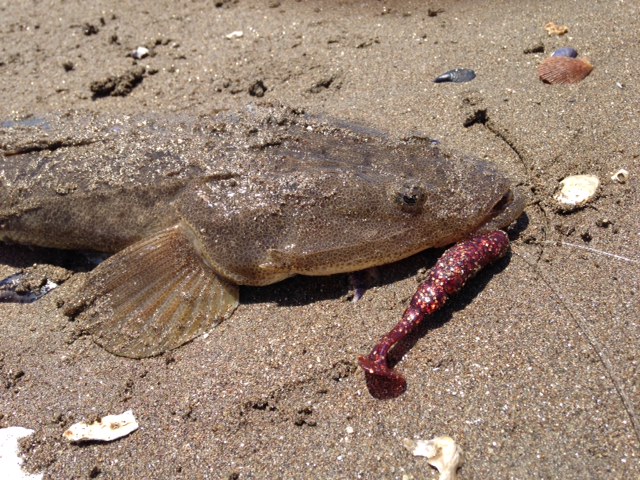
255,197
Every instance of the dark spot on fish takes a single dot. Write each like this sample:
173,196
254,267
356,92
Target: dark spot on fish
458,75
161,155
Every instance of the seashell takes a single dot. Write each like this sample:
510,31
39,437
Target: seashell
620,176
564,70
458,75
565,52
140,52
108,428
443,453
576,191
10,459
235,34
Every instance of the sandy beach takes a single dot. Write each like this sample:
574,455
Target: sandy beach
533,370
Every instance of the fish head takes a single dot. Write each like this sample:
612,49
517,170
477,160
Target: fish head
415,199
439,199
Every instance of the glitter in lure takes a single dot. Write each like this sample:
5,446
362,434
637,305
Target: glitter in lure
457,265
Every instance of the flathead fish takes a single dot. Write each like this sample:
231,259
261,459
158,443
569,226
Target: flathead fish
192,207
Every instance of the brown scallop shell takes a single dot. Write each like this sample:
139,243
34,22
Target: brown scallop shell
564,70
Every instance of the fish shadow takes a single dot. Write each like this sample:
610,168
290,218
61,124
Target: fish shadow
23,256
34,279
295,291
304,290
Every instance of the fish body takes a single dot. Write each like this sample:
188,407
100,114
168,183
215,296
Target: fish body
194,206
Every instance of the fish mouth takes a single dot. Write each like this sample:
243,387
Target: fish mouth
506,210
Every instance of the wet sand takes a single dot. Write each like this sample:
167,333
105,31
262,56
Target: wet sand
533,370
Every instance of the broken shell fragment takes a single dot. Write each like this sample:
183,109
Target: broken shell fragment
458,75
235,34
565,52
108,428
140,52
553,28
576,191
442,453
620,176
564,70
10,460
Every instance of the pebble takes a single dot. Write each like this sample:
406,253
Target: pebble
553,28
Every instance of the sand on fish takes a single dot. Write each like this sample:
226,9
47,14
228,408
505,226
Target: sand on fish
533,369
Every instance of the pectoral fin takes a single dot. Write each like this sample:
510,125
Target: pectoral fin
156,295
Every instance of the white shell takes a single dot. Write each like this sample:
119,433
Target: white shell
577,190
110,427
442,453
620,176
140,52
10,461
235,34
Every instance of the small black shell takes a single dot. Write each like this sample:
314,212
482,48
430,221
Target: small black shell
565,52
458,75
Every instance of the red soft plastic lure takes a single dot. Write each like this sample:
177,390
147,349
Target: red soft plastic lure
457,265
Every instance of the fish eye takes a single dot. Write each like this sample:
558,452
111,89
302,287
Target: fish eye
410,198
